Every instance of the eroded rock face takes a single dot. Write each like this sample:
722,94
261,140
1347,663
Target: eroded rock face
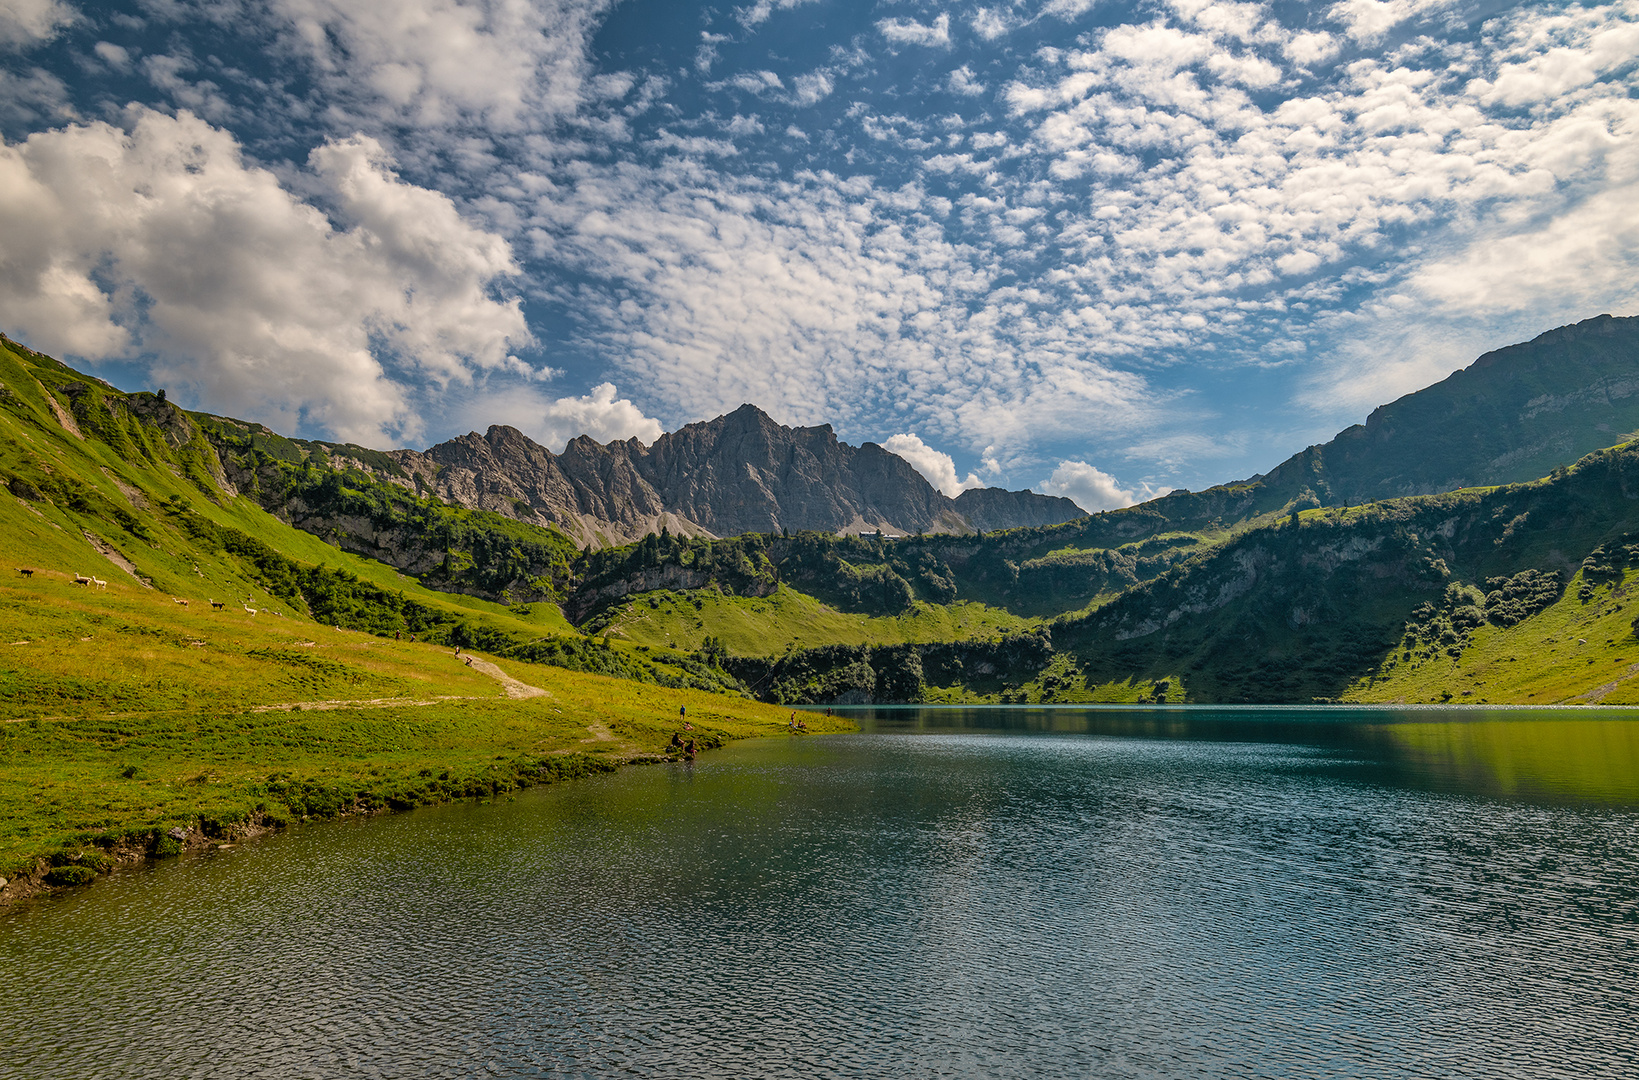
739,473
994,508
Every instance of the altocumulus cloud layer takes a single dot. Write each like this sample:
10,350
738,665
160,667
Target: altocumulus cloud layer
1096,248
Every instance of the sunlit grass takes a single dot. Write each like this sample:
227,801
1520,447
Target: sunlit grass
1574,652
762,626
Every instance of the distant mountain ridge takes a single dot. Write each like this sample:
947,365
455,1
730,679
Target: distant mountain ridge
739,473
1513,415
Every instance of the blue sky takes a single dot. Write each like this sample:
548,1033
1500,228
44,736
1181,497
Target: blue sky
1098,249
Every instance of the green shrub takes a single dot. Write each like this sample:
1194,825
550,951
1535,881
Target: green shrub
69,875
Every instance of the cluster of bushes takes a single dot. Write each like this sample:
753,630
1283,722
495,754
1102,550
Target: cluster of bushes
1514,599
325,799
738,565
883,674
865,575
332,596
1447,623
1606,564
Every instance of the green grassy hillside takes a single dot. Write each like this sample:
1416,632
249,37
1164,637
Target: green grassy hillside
1307,609
173,656
787,618
1509,594
1253,591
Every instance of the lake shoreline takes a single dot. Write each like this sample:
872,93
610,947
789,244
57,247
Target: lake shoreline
159,838
104,853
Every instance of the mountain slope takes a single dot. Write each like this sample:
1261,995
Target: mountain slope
1520,593
1513,415
1309,607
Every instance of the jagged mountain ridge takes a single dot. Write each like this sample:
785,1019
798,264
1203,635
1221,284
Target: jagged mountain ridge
739,473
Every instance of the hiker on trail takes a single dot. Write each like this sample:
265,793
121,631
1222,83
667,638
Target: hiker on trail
682,711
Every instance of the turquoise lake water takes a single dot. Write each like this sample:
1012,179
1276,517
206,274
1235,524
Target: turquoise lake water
951,893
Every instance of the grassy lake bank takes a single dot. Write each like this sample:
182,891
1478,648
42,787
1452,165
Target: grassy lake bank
133,728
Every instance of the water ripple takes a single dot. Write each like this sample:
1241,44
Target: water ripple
869,906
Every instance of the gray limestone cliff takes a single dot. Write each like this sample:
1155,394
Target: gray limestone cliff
738,473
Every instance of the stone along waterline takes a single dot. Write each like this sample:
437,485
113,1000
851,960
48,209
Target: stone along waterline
1218,895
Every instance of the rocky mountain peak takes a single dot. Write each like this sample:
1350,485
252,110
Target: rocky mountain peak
737,473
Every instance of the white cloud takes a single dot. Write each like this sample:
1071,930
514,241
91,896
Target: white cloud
503,64
1093,489
1247,69
25,23
163,241
911,32
820,298
1067,9
990,23
812,87
936,466
599,414
1556,71
1368,20
33,99
1157,45
1587,256
1503,286
707,55
963,81
1311,47
115,56
762,10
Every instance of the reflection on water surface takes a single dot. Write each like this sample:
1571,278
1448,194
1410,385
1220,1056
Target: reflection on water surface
1040,892
1553,754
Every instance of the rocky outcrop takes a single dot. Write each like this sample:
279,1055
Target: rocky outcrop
992,508
740,473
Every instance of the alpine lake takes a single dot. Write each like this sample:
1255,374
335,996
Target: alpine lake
996,892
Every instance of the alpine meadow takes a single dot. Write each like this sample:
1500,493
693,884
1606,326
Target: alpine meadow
800,539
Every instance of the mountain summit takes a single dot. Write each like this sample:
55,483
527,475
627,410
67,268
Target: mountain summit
739,473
